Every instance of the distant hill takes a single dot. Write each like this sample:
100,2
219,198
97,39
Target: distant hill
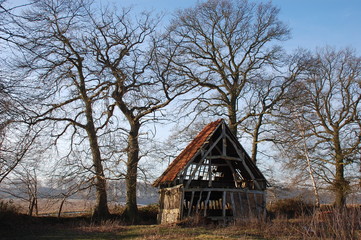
147,194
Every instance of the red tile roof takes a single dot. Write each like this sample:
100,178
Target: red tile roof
187,154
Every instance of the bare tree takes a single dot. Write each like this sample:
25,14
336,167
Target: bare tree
55,53
16,138
225,46
89,62
143,82
24,185
296,146
328,115
267,94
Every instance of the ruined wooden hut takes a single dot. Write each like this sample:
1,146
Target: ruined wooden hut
212,177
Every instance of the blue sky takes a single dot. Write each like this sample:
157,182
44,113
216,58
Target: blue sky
314,23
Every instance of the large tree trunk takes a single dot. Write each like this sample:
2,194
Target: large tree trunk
101,210
31,206
255,138
340,184
131,209
232,117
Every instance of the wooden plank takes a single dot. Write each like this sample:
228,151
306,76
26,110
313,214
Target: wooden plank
249,205
191,205
225,158
210,173
219,164
256,204
182,203
224,189
224,140
233,205
241,203
206,203
199,200
224,204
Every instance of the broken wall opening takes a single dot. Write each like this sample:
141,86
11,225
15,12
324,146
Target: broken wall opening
222,204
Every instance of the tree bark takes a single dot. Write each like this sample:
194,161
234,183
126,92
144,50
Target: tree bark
340,184
101,210
232,116
131,208
31,206
61,206
255,138
311,173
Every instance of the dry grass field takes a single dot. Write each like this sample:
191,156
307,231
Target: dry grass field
325,224
112,229
50,207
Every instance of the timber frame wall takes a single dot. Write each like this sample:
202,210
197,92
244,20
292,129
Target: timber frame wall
216,204
213,177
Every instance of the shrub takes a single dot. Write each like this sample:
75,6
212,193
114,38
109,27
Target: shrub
10,217
290,208
8,209
148,214
333,223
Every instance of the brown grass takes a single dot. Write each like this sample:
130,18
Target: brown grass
326,223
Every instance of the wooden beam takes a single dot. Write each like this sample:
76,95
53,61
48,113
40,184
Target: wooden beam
199,200
249,205
256,204
219,164
200,152
224,157
191,205
181,207
203,157
224,205
241,203
223,190
233,172
224,140
233,205
243,162
210,173
206,203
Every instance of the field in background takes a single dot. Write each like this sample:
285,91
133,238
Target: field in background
50,207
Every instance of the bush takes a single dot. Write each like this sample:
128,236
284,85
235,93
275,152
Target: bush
10,217
148,214
333,223
8,209
290,208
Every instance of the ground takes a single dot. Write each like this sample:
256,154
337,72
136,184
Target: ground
110,231
84,229
295,221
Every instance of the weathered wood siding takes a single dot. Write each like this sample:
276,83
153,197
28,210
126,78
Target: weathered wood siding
170,205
